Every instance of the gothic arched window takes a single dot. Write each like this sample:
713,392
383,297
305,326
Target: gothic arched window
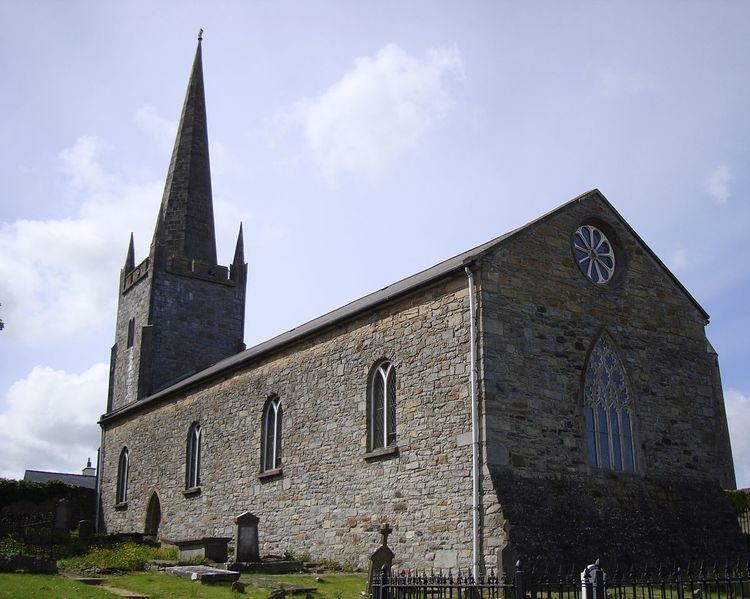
121,494
608,410
270,450
193,457
382,406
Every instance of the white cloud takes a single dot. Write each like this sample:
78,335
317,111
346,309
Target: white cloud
738,416
271,235
717,183
59,276
377,110
160,130
80,163
49,422
679,259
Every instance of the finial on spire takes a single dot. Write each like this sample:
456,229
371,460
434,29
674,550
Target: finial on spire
200,36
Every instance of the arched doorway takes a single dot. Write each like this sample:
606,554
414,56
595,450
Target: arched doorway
153,517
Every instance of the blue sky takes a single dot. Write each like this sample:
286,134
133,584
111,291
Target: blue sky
358,142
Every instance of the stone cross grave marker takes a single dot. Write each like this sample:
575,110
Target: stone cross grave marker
383,556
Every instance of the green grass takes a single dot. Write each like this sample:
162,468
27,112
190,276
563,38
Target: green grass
126,556
158,585
333,586
47,585
163,586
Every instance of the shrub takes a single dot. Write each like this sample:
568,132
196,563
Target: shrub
740,500
125,556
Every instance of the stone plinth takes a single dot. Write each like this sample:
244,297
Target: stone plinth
212,548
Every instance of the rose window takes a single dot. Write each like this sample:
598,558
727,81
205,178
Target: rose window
594,254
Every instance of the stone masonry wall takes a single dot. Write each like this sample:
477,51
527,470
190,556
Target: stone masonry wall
329,499
134,303
540,318
196,324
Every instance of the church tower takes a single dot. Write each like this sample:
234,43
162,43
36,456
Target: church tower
178,310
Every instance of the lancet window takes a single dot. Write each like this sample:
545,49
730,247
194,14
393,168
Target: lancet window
193,457
121,494
271,439
382,406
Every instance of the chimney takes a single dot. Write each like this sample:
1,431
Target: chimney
89,470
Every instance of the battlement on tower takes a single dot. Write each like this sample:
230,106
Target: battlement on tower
131,278
197,269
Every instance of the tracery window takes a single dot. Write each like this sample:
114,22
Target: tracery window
121,494
608,410
193,457
382,406
594,254
271,439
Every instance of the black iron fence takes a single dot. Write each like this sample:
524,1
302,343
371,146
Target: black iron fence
32,535
717,581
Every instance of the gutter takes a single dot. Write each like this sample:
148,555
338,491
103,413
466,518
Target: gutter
474,427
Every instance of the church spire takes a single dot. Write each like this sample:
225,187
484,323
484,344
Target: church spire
185,226
130,258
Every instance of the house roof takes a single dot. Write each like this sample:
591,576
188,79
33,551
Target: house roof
75,480
370,302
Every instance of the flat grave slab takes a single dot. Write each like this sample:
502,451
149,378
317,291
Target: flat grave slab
205,574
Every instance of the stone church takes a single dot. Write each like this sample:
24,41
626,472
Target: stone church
548,394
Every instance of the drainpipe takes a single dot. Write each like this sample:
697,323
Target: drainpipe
99,464
474,427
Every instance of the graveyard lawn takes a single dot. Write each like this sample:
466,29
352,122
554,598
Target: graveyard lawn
44,586
158,585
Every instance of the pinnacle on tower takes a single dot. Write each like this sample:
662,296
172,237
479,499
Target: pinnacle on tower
130,258
239,249
238,268
185,226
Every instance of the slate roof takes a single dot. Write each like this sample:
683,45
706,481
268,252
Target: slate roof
370,302
75,480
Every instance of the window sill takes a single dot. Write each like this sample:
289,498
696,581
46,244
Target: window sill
381,452
123,505
192,492
268,474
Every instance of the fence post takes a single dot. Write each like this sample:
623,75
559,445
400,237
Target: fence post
680,588
519,582
587,586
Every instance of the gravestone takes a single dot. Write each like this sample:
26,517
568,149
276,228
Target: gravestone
85,529
62,515
246,549
383,556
